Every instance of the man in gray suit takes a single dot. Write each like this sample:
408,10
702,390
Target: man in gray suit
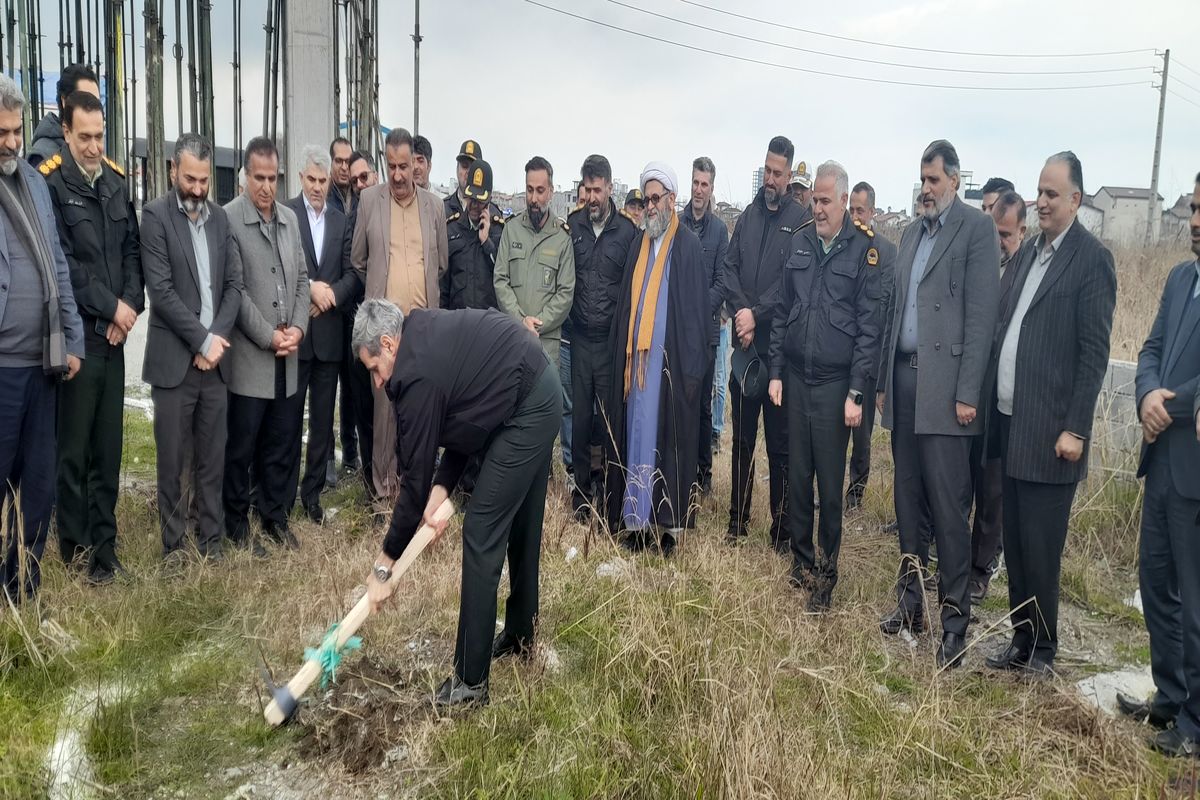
1050,356
265,410
1168,394
936,349
194,282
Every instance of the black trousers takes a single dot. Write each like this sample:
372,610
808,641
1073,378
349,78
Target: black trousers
745,413
933,482
318,381
591,385
262,439
987,528
704,463
362,418
1168,566
190,423
505,516
90,420
817,439
27,474
860,454
348,408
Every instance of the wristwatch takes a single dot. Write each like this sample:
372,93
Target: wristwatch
856,396
383,574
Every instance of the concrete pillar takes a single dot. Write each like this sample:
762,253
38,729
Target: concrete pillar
309,115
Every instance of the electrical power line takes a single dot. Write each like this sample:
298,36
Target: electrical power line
907,47
824,74
1179,63
871,60
1175,79
1184,99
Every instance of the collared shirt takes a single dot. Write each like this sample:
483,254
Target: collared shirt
406,256
89,179
316,225
1006,371
1196,285
203,270
908,332
827,246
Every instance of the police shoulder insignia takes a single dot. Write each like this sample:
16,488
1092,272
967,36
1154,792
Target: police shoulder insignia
50,164
873,257
565,226
115,167
453,217
627,216
497,219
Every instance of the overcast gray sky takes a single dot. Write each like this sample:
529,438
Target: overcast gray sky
525,80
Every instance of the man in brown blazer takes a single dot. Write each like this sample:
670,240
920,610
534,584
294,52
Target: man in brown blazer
400,253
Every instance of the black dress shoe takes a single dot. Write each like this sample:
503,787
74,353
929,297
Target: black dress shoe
351,465
1011,657
282,536
315,513
853,500
950,651
100,575
667,544
635,541
1037,668
582,513
331,475
454,692
1174,742
819,601
978,590
506,644
898,620
1143,711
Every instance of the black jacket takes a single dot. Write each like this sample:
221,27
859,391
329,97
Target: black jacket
458,376
761,244
468,281
599,264
714,243
99,233
47,140
826,326
326,336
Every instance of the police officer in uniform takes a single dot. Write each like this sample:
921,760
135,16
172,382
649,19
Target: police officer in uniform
99,234
535,264
601,237
473,237
467,155
635,207
825,347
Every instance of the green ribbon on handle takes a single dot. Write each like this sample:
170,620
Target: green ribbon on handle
329,655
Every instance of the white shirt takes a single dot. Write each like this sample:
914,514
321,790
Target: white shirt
316,224
1006,371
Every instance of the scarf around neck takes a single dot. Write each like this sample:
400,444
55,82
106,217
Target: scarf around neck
645,331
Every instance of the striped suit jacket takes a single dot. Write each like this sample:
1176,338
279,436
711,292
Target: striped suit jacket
1062,355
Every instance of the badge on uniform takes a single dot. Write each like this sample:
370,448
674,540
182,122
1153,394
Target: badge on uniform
873,257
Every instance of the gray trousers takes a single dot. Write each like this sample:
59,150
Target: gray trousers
933,481
189,430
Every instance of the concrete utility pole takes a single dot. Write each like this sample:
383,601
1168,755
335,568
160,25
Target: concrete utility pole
308,77
1153,211
156,171
205,77
416,37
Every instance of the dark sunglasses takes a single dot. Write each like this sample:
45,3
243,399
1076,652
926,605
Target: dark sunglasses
654,198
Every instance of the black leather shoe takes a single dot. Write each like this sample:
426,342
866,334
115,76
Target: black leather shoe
506,644
853,500
897,621
351,465
1011,657
283,536
667,544
315,513
950,651
979,590
1143,711
635,541
454,692
100,575
819,601
331,475
1173,742
1037,668
582,513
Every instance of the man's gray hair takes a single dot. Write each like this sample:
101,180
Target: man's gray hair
375,319
842,186
949,156
705,164
11,96
195,145
311,154
1074,167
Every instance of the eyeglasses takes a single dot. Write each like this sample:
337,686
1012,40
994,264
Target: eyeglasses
362,178
654,198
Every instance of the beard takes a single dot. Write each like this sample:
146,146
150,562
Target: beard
770,195
940,204
597,214
8,160
537,215
191,204
656,225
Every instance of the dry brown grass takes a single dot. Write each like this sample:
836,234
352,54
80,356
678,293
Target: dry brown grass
1141,273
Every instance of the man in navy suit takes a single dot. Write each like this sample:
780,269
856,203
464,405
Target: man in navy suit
333,286
1168,377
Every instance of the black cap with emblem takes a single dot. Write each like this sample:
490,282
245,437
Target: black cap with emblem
635,196
470,151
479,181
